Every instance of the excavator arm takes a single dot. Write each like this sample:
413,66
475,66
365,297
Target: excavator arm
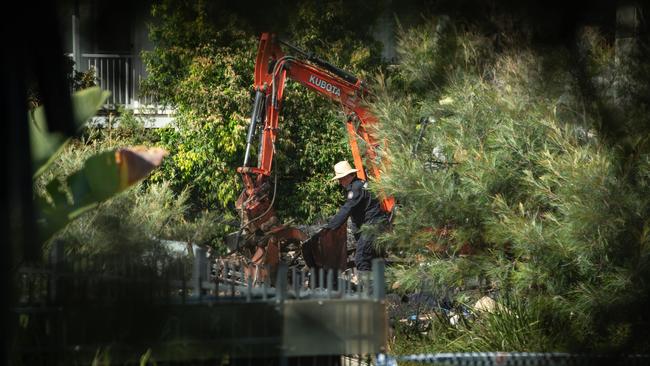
260,226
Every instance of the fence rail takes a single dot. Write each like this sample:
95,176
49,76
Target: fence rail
234,278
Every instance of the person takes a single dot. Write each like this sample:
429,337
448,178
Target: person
364,209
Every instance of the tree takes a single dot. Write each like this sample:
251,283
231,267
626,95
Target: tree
203,65
519,166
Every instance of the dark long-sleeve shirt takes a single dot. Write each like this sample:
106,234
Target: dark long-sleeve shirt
360,205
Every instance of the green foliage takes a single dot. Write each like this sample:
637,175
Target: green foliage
521,167
102,175
207,141
134,222
47,145
137,221
513,325
203,65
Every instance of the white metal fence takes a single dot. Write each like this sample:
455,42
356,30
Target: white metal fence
169,303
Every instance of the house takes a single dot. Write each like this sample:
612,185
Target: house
109,37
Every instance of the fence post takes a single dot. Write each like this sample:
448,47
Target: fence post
217,278
378,279
295,284
249,289
57,260
230,270
340,287
199,270
281,289
330,283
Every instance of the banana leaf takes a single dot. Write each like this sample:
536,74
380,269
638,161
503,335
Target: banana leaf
45,145
102,176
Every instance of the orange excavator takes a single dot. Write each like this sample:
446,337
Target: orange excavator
261,237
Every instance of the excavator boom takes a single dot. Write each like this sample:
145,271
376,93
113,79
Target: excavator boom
260,228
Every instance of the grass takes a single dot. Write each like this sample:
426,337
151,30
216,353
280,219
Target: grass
513,326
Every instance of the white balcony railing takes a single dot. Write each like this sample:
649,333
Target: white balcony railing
117,74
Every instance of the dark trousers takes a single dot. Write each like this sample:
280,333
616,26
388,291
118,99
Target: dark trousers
366,250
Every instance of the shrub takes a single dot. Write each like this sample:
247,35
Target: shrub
136,221
520,166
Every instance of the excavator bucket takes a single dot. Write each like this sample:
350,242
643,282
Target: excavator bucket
327,249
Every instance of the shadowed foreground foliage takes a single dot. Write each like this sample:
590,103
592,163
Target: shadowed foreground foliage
139,220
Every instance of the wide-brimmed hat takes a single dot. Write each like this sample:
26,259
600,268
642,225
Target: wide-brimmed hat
341,169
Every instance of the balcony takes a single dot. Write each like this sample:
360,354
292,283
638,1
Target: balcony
120,74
